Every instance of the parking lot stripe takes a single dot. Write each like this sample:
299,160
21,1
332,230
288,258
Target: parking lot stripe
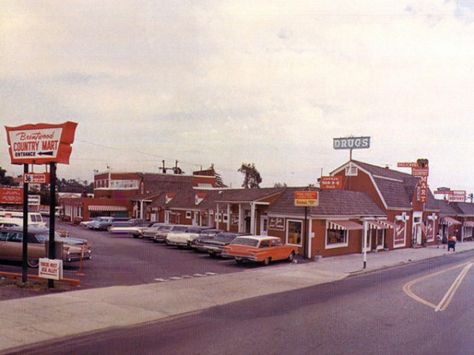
160,280
175,278
211,273
199,275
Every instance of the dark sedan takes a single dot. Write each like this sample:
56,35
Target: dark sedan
214,245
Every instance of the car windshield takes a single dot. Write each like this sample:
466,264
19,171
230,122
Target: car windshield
164,228
226,238
155,225
245,241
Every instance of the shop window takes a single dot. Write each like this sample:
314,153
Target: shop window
294,232
226,218
336,238
188,214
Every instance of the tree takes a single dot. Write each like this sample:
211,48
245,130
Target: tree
6,180
280,184
252,178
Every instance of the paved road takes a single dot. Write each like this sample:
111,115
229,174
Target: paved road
122,260
371,314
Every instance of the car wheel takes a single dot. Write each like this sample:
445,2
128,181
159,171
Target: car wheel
108,228
135,236
291,257
33,263
267,261
212,255
239,261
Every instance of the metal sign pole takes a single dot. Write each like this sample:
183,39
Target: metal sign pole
306,239
52,215
24,268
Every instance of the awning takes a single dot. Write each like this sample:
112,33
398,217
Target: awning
345,225
468,224
390,225
379,225
449,221
104,208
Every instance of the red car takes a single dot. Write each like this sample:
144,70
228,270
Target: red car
257,248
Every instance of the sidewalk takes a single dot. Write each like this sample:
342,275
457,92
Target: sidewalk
35,319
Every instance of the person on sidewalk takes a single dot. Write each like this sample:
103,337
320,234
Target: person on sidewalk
439,239
452,243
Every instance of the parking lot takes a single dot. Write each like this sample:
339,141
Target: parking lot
119,259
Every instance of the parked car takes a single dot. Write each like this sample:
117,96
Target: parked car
214,245
133,227
11,246
162,232
150,231
86,223
16,217
256,248
184,238
103,223
206,234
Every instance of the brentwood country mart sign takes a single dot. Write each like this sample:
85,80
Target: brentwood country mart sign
41,143
351,143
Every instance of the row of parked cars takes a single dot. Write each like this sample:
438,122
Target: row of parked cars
239,246
11,245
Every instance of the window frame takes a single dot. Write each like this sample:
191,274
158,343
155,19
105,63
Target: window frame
335,245
288,230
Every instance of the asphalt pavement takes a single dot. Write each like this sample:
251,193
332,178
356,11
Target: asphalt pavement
46,318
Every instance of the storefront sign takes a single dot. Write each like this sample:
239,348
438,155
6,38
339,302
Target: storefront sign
399,233
457,196
422,190
330,182
306,198
36,178
10,196
276,223
50,269
351,143
420,172
41,143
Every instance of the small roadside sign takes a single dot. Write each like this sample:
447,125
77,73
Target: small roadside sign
306,198
50,269
36,178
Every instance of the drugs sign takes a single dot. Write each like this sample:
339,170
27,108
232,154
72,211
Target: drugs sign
351,143
41,143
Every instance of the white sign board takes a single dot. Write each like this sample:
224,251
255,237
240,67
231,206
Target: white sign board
34,200
35,143
50,269
351,143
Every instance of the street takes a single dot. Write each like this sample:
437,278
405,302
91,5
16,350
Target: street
369,314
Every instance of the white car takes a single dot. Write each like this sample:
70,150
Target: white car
184,239
133,227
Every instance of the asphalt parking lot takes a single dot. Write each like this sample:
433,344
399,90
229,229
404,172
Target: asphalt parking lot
119,259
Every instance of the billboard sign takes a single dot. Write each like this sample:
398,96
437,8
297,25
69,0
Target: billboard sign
407,165
41,143
351,143
330,182
420,172
306,198
11,196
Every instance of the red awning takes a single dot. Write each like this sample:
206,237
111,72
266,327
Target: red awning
468,224
380,225
449,221
104,208
345,225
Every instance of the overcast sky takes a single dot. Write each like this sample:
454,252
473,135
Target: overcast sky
226,82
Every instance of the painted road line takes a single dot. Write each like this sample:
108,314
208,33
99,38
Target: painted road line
411,294
199,275
452,290
160,280
211,273
174,278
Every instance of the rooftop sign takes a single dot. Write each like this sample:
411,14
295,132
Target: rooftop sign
351,143
330,182
41,143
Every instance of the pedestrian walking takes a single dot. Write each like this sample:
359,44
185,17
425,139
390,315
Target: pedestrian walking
439,239
452,243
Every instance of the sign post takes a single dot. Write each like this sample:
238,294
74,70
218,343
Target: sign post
306,199
24,265
40,144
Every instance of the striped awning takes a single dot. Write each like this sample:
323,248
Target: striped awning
345,225
98,208
388,224
449,221
379,225
468,224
